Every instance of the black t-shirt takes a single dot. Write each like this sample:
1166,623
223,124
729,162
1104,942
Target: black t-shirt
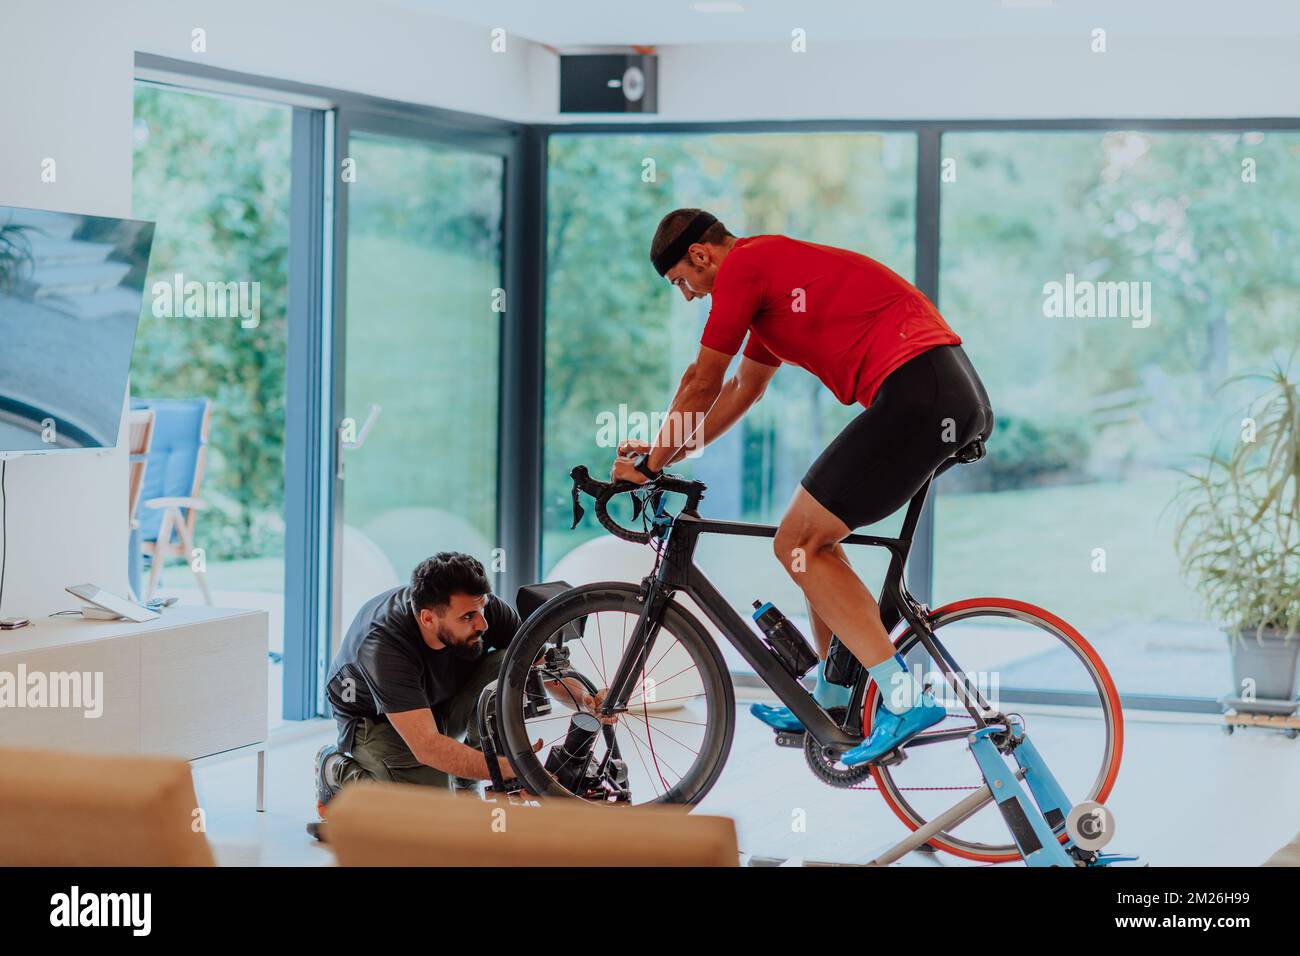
384,665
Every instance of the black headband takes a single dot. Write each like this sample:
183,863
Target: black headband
677,248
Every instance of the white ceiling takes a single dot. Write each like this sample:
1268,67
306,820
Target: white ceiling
576,23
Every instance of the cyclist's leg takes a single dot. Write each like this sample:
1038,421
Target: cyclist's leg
852,483
821,631
925,411
826,694
806,544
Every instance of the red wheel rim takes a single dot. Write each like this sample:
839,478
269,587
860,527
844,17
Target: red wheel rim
1108,687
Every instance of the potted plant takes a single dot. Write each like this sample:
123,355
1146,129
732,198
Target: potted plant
1238,543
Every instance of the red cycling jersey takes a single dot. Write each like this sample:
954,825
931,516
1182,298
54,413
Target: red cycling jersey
844,317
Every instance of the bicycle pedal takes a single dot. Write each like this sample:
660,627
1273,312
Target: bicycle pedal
790,738
891,759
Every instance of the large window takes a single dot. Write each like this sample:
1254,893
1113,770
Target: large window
214,173
1098,411
617,337
424,305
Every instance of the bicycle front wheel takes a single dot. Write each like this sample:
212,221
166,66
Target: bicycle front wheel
1025,661
673,739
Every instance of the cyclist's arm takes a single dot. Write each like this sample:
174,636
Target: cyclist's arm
437,750
700,390
738,395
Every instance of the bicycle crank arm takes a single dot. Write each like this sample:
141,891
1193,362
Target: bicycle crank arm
899,754
940,736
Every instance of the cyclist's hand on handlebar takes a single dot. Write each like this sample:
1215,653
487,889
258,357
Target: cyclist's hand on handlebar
633,447
625,470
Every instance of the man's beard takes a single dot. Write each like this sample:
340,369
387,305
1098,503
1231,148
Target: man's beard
469,649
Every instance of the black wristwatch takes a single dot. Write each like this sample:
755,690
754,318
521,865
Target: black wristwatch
642,464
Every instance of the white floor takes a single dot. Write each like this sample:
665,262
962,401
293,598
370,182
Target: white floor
1187,795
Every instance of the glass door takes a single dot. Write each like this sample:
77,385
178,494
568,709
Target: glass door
420,356
209,361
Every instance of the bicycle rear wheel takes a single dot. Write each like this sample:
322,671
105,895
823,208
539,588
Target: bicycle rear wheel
677,731
1025,661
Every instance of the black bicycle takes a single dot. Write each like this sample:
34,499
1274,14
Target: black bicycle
664,730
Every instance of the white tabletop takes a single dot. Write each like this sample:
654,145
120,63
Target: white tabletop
65,630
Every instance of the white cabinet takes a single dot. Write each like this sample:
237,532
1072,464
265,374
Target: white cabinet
189,685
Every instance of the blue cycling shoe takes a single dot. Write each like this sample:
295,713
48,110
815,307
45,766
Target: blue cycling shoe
778,718
892,729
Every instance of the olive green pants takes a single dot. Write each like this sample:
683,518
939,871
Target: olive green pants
379,752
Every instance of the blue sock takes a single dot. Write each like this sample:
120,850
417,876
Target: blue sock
827,694
896,683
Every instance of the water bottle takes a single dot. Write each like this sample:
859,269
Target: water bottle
783,638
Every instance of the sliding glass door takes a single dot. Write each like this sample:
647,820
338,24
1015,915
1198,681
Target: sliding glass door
215,173
424,307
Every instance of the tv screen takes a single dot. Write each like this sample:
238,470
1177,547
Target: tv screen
70,295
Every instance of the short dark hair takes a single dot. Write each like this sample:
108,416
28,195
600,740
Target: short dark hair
436,579
671,226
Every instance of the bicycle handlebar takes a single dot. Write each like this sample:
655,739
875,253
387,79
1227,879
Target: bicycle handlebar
604,491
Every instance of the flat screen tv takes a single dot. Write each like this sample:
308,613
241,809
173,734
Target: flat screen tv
71,288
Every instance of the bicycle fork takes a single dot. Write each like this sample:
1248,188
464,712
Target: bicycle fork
638,648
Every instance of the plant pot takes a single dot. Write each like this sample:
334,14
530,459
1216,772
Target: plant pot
1269,661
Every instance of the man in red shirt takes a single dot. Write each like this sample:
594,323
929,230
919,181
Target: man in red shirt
872,338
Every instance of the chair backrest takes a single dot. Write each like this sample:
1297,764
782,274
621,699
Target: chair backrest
390,824
140,422
70,809
176,455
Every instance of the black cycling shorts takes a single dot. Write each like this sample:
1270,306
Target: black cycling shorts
925,410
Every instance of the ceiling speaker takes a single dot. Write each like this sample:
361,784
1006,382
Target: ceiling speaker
609,83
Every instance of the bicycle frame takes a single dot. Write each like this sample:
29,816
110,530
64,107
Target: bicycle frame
1037,820
677,571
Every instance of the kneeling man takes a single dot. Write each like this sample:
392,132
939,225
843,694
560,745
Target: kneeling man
405,684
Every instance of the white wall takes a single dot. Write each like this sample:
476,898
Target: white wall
68,68
1023,77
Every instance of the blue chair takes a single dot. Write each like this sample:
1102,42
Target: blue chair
140,421
172,478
